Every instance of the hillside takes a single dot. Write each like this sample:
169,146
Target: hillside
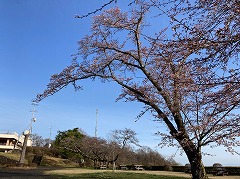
7,159
11,159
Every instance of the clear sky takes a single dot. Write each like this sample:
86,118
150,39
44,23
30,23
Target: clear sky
37,39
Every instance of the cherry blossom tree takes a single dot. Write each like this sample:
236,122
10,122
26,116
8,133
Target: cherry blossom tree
186,72
121,139
76,145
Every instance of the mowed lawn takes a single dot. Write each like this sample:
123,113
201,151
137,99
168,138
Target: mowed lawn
116,175
72,173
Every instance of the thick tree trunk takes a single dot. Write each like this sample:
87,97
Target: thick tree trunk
195,159
24,147
197,167
194,155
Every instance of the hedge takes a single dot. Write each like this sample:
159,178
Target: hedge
230,170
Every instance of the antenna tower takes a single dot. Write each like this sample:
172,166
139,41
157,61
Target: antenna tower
33,116
50,134
96,123
33,110
49,139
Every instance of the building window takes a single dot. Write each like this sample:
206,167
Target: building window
3,142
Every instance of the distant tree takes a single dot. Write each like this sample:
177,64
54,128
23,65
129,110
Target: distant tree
124,137
148,157
120,139
65,139
96,149
186,73
73,144
37,140
71,133
126,157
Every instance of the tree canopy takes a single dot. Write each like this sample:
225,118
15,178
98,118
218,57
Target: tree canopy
71,144
186,73
65,139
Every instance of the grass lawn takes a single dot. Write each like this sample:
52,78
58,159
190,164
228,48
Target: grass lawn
120,175
15,156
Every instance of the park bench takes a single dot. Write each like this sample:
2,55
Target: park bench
138,167
103,167
123,167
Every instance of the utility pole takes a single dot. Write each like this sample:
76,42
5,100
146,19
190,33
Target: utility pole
114,163
49,139
33,116
27,134
96,126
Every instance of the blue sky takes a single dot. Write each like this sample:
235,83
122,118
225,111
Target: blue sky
37,39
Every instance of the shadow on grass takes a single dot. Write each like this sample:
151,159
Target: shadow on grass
40,173
26,172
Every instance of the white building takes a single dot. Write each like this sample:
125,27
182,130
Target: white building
12,141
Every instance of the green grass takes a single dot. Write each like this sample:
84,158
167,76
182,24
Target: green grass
111,175
13,156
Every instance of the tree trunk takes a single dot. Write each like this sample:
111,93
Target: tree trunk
195,159
24,147
197,168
